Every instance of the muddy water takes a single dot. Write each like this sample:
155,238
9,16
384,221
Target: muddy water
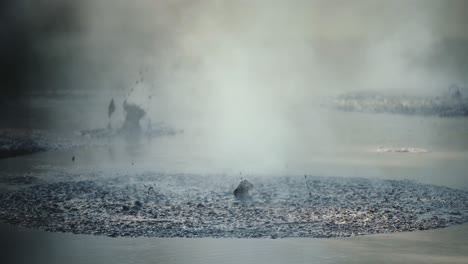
449,245
343,145
311,140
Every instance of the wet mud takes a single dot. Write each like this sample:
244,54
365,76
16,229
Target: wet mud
194,206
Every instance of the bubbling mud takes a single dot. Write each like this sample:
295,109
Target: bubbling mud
452,103
180,205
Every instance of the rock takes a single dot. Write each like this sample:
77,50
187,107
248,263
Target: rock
242,191
138,203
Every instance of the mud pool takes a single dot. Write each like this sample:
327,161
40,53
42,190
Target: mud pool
154,205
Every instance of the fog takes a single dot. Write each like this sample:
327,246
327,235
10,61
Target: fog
244,79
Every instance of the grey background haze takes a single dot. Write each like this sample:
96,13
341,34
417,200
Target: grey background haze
242,74
286,48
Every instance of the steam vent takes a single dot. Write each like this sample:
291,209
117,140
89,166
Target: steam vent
179,205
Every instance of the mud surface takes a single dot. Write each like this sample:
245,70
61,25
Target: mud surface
445,105
17,142
158,205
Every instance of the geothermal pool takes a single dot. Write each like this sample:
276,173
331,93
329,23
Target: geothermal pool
411,192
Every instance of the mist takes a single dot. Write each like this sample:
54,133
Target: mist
243,79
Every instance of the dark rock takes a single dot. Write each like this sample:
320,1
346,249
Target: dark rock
243,189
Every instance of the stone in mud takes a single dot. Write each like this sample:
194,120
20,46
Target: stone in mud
242,191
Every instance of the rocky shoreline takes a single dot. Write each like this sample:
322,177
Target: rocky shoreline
194,206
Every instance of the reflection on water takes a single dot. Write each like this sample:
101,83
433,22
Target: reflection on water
449,245
349,150
169,155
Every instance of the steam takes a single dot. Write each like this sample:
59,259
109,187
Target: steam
246,75
244,78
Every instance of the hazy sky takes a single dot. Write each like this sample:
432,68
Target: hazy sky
361,43
267,54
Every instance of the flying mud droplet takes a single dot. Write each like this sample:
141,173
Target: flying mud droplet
111,108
